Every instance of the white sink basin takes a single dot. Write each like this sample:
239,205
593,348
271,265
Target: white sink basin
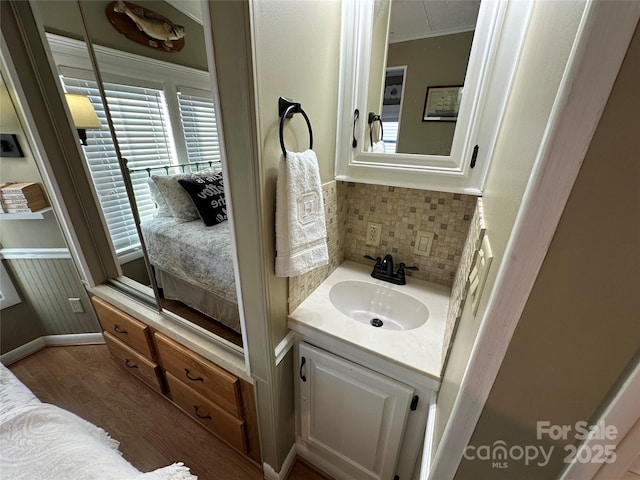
378,306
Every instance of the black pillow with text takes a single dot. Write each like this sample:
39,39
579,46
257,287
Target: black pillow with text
207,194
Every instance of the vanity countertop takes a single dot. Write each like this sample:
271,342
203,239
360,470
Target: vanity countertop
419,349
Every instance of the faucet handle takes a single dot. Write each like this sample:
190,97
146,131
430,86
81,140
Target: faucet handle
378,260
400,274
405,267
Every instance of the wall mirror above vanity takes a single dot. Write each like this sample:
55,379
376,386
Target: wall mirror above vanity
437,75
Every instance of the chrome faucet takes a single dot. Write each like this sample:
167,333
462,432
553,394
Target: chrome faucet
383,270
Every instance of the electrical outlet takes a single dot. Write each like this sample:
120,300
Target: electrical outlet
374,231
76,305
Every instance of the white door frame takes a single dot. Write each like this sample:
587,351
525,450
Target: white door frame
601,44
621,413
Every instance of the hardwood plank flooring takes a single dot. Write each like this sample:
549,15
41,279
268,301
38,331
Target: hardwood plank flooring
152,431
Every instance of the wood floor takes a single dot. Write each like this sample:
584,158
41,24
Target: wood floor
152,432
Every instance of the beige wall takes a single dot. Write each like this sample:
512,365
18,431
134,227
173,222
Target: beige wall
580,328
431,62
43,233
296,54
548,43
63,17
31,319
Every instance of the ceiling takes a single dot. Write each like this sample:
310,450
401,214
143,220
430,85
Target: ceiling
413,19
190,8
410,19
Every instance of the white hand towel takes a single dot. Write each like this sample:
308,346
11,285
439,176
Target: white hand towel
301,233
378,147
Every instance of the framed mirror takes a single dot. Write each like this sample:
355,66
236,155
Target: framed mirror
437,75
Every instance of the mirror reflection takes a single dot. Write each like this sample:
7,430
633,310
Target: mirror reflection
427,47
160,101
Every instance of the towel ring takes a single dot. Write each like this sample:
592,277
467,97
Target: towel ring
287,108
372,119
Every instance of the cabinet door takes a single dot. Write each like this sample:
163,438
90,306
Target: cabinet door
351,416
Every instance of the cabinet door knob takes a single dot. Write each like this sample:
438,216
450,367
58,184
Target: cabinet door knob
302,376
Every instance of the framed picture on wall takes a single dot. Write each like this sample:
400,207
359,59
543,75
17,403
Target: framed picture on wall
442,104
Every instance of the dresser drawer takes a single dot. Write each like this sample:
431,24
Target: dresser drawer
131,331
226,426
138,365
214,383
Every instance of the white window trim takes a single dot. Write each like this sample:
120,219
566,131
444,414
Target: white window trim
115,65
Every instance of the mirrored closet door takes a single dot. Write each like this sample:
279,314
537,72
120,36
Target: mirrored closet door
169,225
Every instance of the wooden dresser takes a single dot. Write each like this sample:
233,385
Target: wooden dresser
217,399
131,343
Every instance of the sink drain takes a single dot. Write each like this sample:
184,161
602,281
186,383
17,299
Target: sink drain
376,322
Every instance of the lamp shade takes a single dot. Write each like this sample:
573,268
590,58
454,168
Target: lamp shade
82,112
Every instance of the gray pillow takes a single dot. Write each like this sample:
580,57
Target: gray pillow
179,202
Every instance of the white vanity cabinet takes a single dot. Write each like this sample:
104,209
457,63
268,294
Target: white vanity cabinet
355,422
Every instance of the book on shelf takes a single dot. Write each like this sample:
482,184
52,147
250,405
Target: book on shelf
23,208
24,197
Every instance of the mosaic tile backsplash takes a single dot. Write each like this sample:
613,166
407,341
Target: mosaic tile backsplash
402,212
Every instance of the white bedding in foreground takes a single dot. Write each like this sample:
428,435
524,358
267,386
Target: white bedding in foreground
39,441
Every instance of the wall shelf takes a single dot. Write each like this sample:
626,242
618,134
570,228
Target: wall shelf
39,215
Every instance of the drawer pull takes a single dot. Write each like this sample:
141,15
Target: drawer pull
204,417
119,330
193,379
302,375
129,364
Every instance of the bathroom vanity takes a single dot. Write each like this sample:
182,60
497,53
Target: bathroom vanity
365,394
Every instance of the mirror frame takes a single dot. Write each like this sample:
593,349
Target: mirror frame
494,55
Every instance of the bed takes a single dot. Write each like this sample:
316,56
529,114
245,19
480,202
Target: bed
192,263
188,240
41,441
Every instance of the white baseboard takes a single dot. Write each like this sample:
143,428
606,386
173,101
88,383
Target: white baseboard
49,341
22,351
287,465
73,339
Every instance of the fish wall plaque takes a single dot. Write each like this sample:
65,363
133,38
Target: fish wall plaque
145,27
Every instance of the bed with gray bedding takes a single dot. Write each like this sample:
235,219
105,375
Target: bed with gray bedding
194,264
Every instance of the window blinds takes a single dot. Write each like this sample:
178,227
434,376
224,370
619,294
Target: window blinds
142,127
199,125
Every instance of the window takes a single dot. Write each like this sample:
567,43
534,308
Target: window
142,127
199,124
163,114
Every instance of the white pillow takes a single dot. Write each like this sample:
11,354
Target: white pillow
179,202
162,207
